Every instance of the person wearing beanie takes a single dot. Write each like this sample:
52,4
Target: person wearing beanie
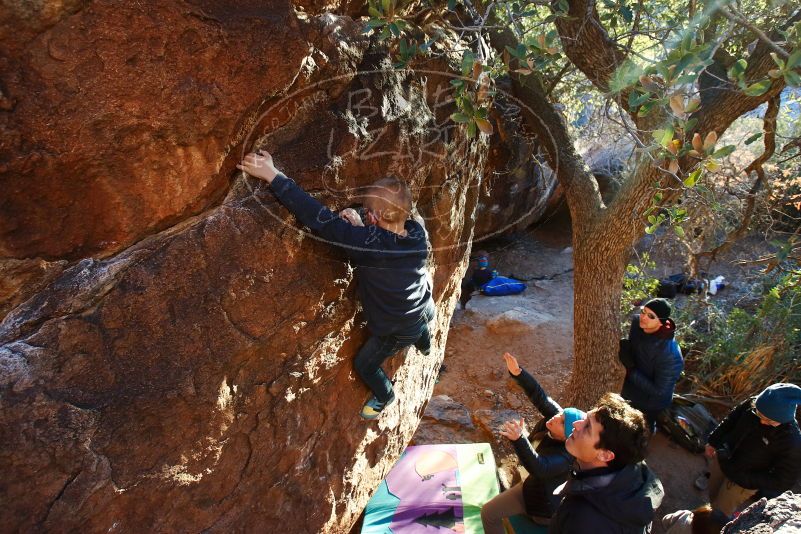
755,451
480,275
653,360
542,453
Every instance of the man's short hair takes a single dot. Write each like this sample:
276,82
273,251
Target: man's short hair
624,430
393,198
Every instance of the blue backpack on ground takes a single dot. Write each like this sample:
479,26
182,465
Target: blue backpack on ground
500,285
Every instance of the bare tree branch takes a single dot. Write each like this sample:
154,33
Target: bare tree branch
769,127
542,118
738,18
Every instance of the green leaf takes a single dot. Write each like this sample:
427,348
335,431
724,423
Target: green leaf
679,231
471,130
394,29
564,6
636,99
693,177
792,78
512,51
753,138
626,75
776,59
451,5
460,118
723,152
467,62
374,12
374,23
737,70
758,88
467,105
650,229
646,108
684,62
664,136
794,60
652,219
687,40
626,13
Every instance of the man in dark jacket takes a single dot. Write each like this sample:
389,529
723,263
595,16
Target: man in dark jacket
611,491
756,449
390,252
653,360
547,461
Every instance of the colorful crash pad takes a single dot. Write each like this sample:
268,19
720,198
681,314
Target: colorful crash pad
434,489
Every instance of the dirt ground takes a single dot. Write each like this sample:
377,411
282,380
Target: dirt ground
475,395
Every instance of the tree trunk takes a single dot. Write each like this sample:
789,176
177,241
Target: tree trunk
599,265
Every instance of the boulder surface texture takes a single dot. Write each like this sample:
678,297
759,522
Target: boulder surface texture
175,350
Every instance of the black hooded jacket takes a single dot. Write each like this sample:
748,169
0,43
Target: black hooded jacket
658,364
393,283
607,501
549,463
757,456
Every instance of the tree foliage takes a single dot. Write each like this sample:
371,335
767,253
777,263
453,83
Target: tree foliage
673,76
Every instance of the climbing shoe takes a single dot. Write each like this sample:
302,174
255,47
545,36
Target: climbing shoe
373,408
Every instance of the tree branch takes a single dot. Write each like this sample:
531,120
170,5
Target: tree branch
769,127
729,103
541,117
737,18
588,46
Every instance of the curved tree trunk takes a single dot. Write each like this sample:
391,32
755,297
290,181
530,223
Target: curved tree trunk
599,266
603,235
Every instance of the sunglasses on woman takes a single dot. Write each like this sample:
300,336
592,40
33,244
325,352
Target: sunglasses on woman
647,313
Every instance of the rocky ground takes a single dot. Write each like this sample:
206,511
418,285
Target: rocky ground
475,395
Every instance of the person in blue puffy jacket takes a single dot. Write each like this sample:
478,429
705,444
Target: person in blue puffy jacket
653,360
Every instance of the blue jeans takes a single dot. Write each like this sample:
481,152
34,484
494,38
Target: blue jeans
378,348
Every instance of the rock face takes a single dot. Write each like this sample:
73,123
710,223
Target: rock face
782,515
176,354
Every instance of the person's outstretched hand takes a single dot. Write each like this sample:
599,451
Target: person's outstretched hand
513,429
259,165
511,364
709,451
352,216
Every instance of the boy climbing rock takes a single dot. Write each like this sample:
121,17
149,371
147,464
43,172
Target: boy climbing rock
389,251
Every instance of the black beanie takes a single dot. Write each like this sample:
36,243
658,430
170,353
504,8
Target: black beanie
660,307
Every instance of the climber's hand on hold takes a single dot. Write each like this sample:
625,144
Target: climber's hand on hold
259,165
352,216
513,429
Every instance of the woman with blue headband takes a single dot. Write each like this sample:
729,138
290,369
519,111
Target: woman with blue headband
542,453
